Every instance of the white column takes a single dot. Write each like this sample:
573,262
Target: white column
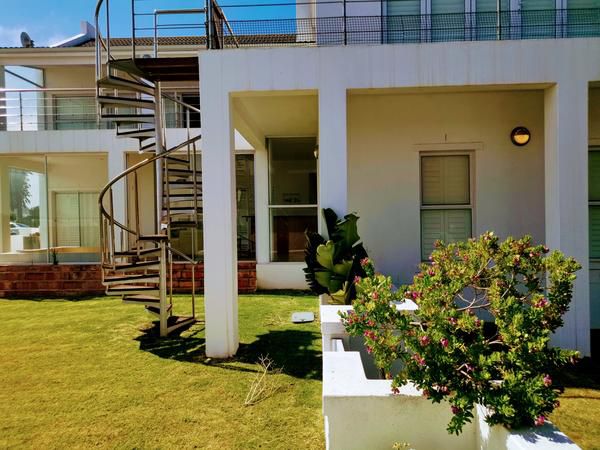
566,198
220,243
333,157
116,165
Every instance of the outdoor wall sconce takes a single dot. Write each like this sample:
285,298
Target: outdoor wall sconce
316,152
520,136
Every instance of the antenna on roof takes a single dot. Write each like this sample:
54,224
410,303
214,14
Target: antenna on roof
26,41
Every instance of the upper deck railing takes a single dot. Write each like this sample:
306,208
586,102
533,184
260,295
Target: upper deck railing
75,109
335,22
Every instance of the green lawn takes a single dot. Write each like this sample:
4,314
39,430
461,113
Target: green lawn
90,373
579,413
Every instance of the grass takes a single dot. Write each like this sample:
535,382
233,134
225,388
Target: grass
81,374
91,373
579,414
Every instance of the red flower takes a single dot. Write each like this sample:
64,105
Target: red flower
541,303
375,295
539,421
364,262
444,342
424,340
357,279
455,410
547,381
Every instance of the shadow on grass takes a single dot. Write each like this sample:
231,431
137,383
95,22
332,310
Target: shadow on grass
584,374
292,351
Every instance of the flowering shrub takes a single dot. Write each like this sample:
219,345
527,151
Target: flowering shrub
486,312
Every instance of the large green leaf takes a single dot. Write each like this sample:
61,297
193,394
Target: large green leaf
345,236
329,280
325,254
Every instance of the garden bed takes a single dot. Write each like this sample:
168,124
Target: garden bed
363,413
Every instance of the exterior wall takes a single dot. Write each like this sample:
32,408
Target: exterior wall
386,134
561,69
71,280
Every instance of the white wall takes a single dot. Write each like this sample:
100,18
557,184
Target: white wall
386,134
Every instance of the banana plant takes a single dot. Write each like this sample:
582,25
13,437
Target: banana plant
332,265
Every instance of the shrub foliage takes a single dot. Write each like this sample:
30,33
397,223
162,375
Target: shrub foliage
486,311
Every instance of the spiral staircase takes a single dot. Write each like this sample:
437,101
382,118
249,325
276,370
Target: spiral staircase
138,266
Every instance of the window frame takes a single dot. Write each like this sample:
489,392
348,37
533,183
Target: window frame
592,203
446,207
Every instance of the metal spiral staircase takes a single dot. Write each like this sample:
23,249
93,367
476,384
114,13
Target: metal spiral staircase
138,266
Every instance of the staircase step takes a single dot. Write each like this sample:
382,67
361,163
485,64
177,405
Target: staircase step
184,172
179,198
177,160
156,309
175,322
143,253
148,148
122,83
126,279
129,289
108,100
183,209
139,265
153,237
145,133
142,299
182,224
128,118
185,184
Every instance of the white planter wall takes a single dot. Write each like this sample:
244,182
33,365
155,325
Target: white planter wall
361,413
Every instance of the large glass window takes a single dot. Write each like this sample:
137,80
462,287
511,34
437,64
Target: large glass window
187,235
49,207
594,202
446,209
293,196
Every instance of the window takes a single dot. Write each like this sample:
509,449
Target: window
582,19
538,19
293,196
77,221
50,203
446,208
594,202
447,20
75,113
404,20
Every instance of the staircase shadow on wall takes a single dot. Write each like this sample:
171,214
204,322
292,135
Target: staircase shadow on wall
292,351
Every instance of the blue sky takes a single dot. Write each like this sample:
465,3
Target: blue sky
50,21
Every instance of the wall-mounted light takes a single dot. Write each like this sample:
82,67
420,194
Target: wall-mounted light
316,152
520,136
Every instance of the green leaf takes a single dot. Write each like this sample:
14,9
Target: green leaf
346,233
325,254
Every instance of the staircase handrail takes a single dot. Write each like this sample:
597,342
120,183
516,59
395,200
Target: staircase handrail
105,214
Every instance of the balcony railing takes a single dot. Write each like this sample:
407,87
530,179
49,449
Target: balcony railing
346,22
73,109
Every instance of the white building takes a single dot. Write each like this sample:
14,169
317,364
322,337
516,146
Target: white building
408,124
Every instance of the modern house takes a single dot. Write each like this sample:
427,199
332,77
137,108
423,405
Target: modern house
413,113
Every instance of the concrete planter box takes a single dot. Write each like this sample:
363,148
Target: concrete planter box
361,412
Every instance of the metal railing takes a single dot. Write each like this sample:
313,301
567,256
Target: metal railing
75,109
339,22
